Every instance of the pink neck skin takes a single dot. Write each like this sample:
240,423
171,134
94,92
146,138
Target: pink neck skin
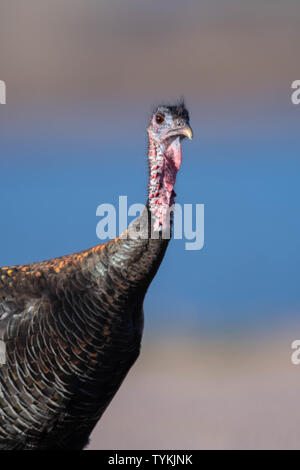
164,163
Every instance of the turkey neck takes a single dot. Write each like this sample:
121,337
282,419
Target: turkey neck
164,162
136,255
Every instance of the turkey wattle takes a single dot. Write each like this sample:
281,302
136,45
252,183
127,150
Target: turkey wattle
71,327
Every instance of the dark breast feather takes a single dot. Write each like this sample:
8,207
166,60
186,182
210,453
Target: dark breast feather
69,342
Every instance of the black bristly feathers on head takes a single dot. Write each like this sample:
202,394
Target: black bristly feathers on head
178,110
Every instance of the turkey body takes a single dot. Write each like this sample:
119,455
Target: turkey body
72,329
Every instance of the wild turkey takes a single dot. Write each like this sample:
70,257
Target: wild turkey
71,327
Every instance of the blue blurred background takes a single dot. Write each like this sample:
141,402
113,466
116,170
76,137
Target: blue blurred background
82,78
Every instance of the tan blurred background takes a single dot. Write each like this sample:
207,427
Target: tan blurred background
218,395
123,51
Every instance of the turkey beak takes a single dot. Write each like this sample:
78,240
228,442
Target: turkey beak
187,131
183,131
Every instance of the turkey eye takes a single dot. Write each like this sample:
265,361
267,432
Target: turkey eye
159,118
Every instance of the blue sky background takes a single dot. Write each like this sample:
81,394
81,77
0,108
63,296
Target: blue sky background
72,136
247,272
